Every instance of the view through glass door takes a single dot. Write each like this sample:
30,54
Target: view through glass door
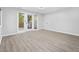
29,21
21,21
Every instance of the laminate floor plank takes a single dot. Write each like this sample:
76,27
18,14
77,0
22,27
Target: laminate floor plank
40,41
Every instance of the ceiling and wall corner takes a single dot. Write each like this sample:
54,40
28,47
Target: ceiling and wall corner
43,10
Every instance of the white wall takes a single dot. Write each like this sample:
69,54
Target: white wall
66,21
10,20
40,21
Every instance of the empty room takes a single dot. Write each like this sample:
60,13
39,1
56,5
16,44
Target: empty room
39,29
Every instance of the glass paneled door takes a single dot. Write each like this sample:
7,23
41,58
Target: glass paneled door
29,22
21,18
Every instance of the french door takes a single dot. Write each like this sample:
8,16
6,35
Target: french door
27,22
31,22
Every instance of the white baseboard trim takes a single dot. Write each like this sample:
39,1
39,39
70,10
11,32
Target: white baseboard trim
12,34
19,32
63,32
44,29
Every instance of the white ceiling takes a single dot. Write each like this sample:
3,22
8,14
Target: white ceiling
43,10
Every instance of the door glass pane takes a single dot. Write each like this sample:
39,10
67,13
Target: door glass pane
29,21
21,21
35,22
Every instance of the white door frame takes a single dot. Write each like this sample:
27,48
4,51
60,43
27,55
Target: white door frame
33,23
18,31
27,23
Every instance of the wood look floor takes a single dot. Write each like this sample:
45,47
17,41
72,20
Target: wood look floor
40,41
